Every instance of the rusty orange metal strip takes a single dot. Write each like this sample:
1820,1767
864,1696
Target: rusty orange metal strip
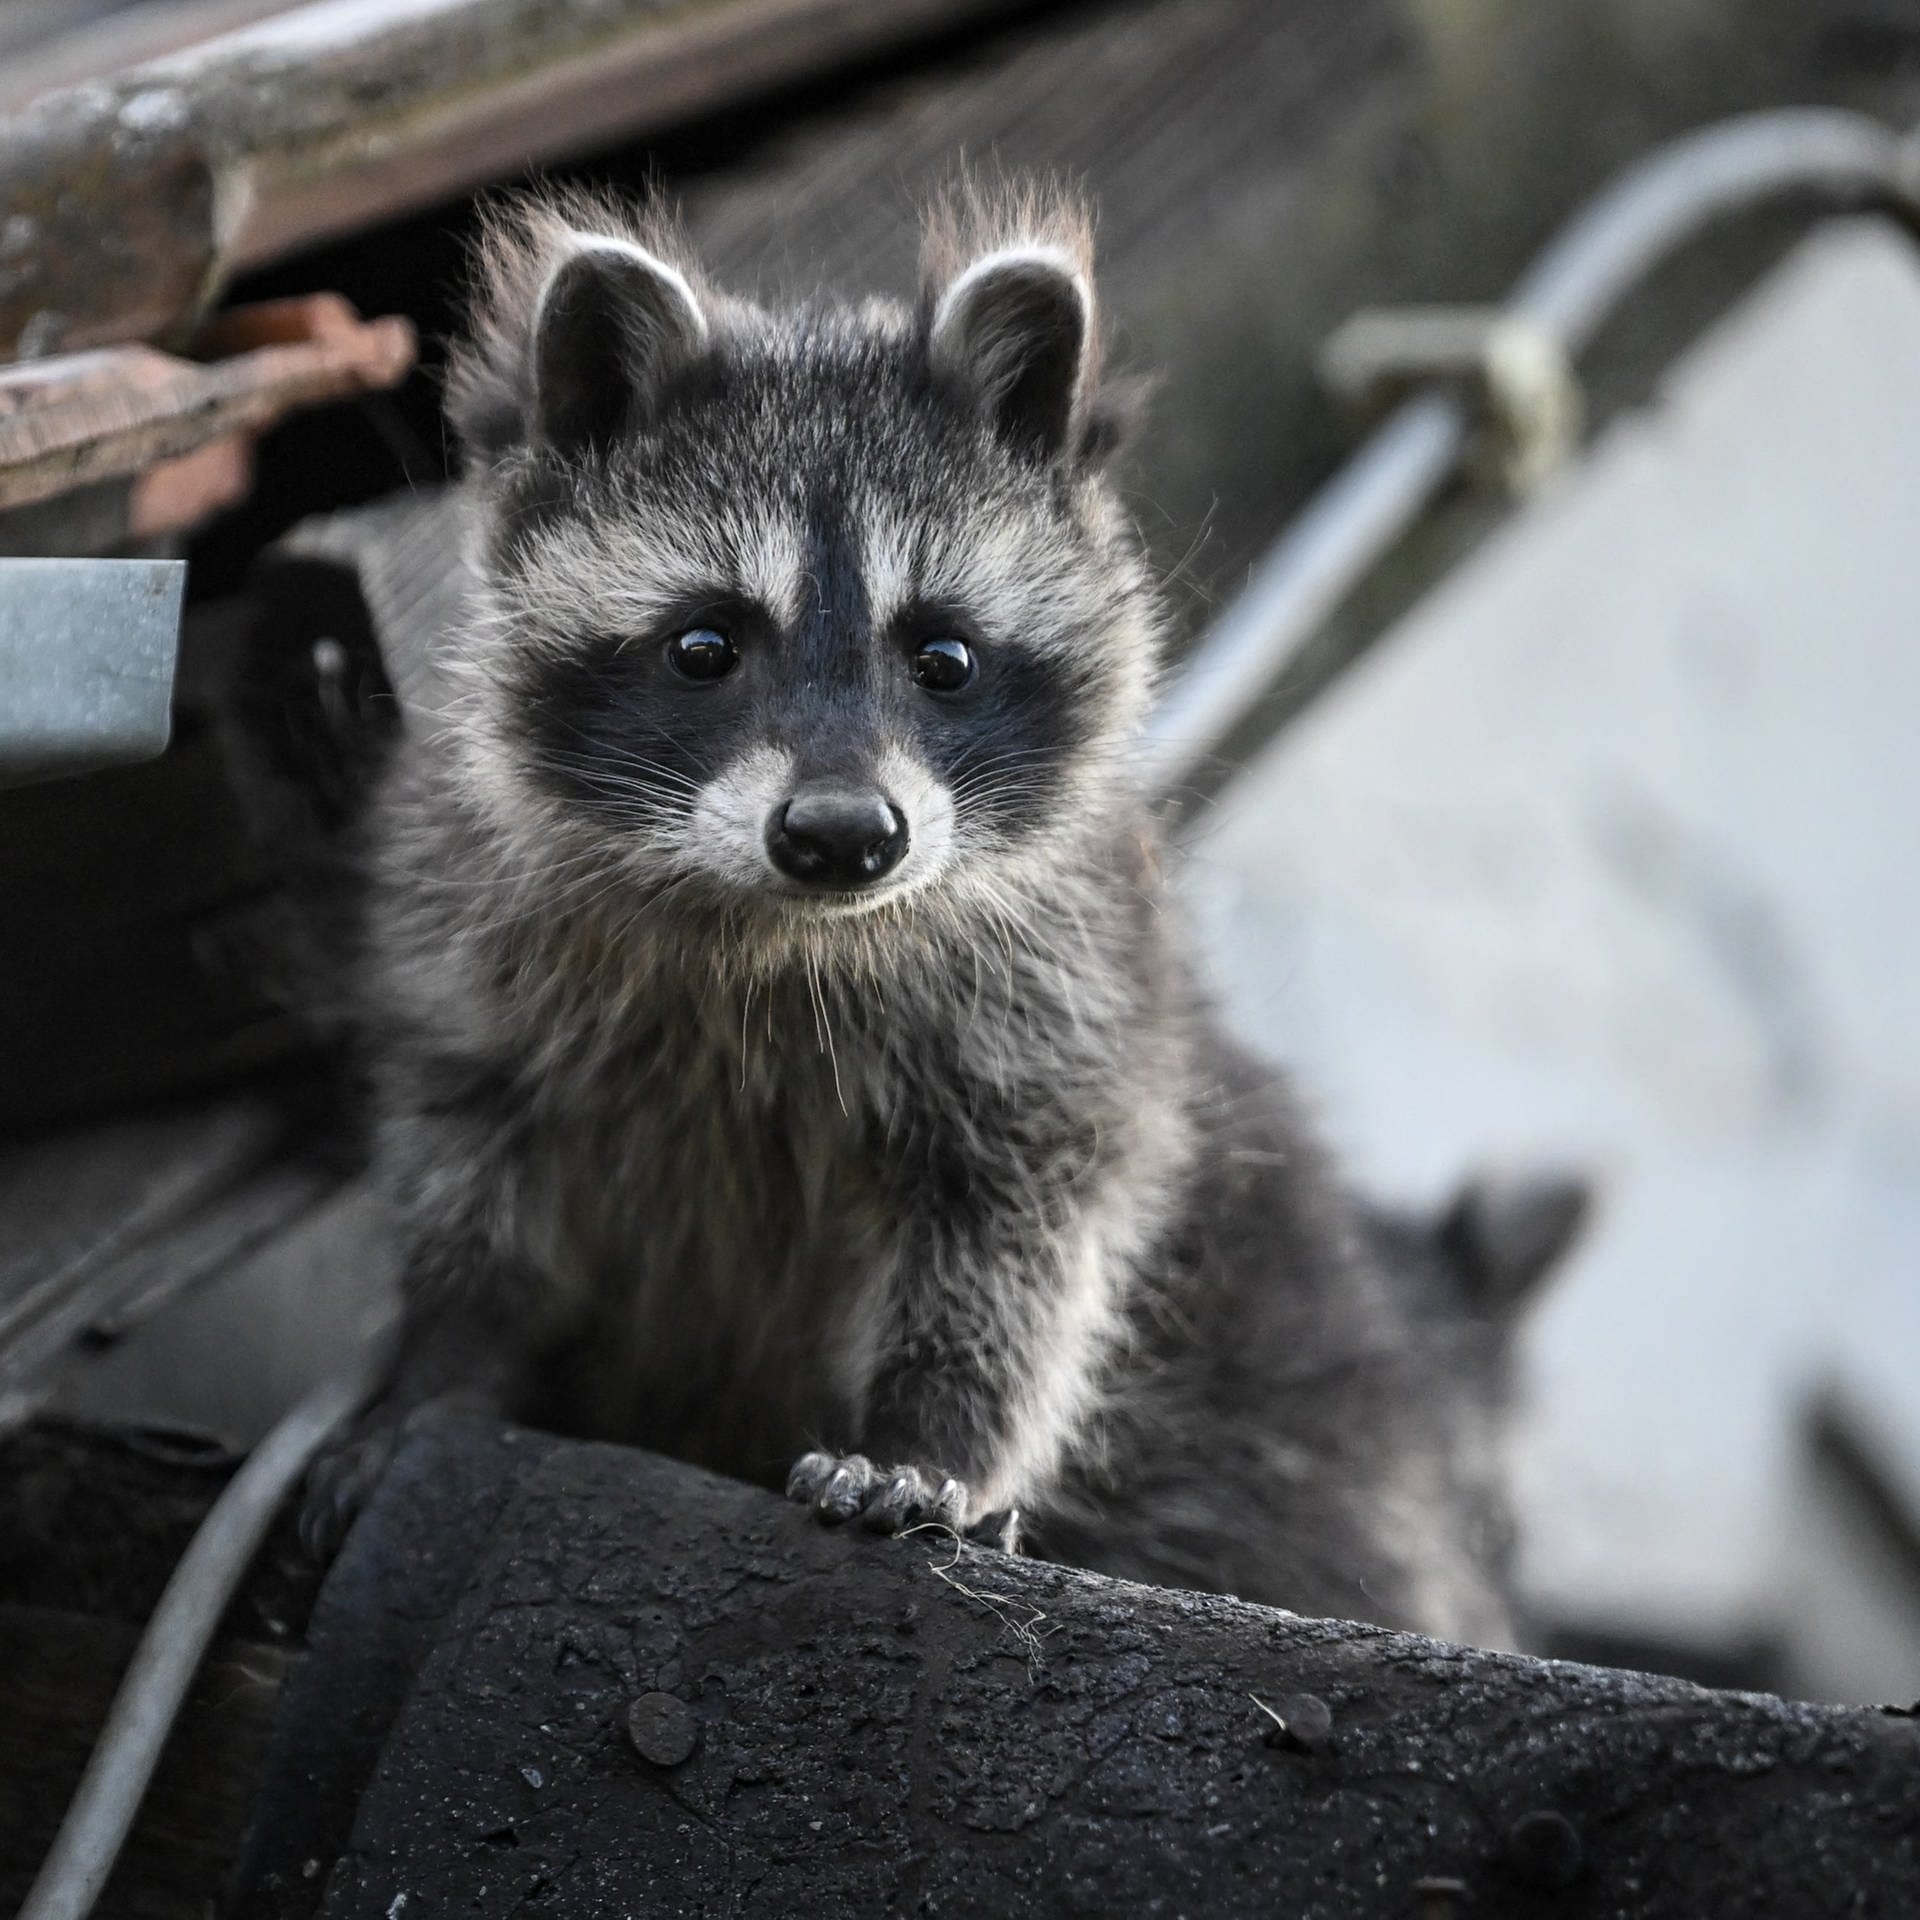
81,418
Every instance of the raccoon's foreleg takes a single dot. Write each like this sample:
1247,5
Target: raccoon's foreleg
983,1341
468,1298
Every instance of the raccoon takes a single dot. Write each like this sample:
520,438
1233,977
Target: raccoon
787,1057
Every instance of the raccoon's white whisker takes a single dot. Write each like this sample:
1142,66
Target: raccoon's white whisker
391,867
746,1008
636,778
1179,574
618,750
606,765
545,899
824,1029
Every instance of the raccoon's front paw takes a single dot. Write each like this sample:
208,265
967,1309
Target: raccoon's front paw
839,1487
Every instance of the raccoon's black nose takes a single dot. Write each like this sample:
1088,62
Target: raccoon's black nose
837,837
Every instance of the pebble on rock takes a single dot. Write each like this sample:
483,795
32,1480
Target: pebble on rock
663,1729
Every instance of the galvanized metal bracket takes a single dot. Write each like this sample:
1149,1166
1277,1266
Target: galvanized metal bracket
87,655
1521,372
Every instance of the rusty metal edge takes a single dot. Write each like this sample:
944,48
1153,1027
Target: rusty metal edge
180,406
644,82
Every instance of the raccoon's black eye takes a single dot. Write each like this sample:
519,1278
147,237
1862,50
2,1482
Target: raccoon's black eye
702,654
944,665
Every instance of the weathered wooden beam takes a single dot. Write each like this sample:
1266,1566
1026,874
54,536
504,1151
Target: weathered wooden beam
660,1691
130,200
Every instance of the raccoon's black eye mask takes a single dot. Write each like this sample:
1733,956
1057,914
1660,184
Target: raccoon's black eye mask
629,728
941,663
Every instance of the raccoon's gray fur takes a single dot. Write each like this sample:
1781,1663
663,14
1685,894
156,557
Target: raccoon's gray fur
788,1051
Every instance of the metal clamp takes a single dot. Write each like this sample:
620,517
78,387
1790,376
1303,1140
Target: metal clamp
1521,370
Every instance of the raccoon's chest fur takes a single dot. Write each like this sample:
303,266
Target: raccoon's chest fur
709,1227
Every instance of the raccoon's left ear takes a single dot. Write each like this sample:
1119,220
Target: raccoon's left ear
1017,327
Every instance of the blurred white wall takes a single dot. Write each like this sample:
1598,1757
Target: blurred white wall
1611,852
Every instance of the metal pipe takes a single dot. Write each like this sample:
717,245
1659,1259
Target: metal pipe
176,1639
1579,281
1346,530
1570,291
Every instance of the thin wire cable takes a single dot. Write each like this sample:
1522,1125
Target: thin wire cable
176,1639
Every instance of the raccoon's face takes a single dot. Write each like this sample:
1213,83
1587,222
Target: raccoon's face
807,614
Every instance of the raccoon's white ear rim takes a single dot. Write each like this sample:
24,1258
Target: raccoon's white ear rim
665,291
610,322
1018,326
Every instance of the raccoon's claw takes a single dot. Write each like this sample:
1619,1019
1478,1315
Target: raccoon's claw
907,1497
835,1486
848,1487
839,1487
809,1477
808,1480
999,1530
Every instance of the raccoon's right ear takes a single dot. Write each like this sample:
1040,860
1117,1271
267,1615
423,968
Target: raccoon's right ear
611,323
1017,327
